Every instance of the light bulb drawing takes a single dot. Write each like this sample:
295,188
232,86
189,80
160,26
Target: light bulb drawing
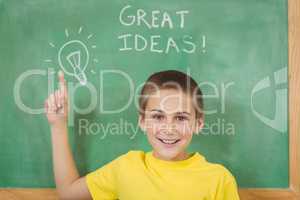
73,56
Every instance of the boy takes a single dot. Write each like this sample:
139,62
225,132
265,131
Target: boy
170,112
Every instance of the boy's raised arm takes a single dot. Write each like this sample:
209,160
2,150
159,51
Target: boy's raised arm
68,182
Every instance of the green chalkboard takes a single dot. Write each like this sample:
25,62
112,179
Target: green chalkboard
235,49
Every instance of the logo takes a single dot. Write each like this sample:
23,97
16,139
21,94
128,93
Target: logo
279,121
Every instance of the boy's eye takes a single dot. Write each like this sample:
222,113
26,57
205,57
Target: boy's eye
181,118
157,117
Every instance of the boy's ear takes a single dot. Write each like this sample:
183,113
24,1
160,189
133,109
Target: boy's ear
141,122
199,124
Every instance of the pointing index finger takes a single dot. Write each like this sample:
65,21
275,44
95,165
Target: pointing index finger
61,79
62,83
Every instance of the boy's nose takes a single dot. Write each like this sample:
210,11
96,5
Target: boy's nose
169,128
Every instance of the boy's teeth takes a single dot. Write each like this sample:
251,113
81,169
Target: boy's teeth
169,141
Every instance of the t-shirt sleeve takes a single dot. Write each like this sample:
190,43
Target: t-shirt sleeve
231,190
228,189
102,183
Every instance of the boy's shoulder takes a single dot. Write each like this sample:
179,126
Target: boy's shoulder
132,155
221,171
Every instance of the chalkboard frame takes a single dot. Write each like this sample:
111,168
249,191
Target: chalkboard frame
293,192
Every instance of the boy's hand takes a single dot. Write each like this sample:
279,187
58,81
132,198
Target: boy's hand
56,105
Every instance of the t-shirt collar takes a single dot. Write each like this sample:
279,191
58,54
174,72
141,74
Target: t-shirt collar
195,158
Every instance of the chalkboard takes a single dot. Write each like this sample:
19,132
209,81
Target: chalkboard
235,49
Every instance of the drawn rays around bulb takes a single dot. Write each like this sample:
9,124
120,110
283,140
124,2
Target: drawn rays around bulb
80,29
73,56
67,33
51,44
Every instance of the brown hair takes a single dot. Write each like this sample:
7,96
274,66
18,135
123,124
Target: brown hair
171,79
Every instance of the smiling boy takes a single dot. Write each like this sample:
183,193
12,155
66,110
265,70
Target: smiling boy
170,112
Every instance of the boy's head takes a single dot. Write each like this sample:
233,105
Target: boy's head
170,111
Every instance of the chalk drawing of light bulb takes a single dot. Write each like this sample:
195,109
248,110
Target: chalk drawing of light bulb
74,55
73,58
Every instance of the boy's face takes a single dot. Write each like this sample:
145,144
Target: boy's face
170,121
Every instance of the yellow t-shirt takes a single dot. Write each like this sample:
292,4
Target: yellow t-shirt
141,176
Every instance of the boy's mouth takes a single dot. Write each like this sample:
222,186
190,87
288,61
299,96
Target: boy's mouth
169,141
